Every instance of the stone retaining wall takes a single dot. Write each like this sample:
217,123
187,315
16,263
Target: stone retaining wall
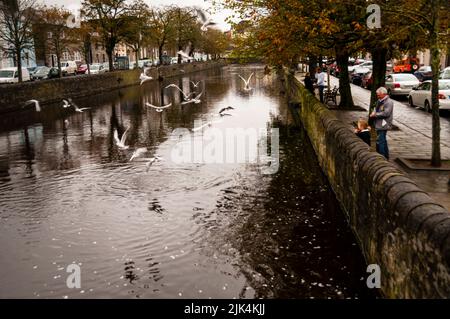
12,96
398,225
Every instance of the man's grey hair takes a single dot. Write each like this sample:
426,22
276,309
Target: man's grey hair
382,90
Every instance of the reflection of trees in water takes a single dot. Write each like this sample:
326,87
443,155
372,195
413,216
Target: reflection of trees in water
28,153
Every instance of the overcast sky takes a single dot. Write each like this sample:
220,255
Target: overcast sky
218,17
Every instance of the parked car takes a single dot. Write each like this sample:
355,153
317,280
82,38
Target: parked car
367,65
106,66
174,60
53,73
82,69
69,67
421,95
11,75
97,68
445,74
401,83
41,73
334,69
367,80
424,73
32,69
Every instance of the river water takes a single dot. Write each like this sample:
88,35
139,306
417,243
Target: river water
185,228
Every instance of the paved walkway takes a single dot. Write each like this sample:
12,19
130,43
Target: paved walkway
412,140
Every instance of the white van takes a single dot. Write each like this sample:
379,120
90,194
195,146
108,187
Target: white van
11,75
69,67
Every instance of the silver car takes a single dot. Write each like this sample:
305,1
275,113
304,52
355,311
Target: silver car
401,83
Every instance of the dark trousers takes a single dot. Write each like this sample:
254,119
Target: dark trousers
382,146
321,88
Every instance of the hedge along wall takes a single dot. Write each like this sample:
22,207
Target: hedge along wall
398,226
13,96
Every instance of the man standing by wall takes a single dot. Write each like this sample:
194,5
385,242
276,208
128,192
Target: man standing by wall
320,78
383,116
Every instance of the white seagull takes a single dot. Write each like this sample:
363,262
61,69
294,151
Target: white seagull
159,108
77,109
121,143
206,21
36,104
185,54
151,161
196,84
247,82
144,77
187,97
138,153
195,100
66,104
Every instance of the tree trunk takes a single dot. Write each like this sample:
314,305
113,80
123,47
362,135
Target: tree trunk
180,48
19,64
379,58
58,63
435,60
110,54
160,52
312,66
137,58
344,81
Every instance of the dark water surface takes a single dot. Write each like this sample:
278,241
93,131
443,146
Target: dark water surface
68,195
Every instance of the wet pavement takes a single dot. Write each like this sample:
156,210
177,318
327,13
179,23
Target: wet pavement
69,195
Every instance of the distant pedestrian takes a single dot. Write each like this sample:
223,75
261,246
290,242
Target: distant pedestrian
363,131
309,83
383,116
320,78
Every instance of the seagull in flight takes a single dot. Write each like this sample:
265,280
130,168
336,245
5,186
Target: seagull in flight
195,100
159,109
144,77
121,143
187,97
196,84
77,109
151,161
226,109
205,21
66,104
247,82
185,54
36,104
138,153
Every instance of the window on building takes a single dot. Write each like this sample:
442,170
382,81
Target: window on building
49,35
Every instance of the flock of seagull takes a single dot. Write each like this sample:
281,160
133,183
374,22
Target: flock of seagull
191,98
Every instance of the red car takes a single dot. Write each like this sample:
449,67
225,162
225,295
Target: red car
82,69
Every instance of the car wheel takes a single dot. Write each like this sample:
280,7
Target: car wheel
411,103
427,106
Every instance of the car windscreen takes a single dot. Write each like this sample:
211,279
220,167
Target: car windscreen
42,71
405,77
444,85
6,74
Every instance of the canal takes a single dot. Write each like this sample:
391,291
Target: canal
173,229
